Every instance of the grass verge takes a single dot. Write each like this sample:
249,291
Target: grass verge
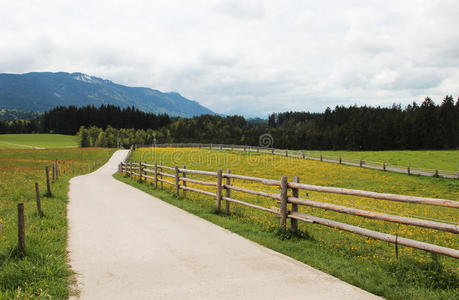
43,272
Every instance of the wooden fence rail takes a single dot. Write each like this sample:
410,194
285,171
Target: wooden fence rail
288,205
306,155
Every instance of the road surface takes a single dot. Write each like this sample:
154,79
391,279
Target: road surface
126,244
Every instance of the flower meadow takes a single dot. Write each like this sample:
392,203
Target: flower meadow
337,243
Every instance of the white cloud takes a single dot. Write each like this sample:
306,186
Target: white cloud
246,57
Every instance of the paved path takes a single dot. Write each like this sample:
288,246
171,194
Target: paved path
126,244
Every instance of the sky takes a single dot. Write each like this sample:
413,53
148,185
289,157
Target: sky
245,57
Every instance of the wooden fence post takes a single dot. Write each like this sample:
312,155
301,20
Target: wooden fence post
140,171
156,175
228,192
321,158
272,151
409,171
295,193
340,160
286,152
21,229
184,182
258,149
130,170
219,190
436,173
177,182
161,176
37,196
54,172
304,155
384,166
48,186
360,163
283,202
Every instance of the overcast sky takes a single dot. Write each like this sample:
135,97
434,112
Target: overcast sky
245,57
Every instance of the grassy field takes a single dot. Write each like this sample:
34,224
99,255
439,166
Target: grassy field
369,264
430,159
37,141
44,272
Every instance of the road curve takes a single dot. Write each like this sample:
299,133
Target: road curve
126,244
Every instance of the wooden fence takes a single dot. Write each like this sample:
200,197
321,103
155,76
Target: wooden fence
305,155
289,200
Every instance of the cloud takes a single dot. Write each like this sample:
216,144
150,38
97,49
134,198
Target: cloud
246,57
244,10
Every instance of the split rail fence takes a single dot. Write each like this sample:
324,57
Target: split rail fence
306,155
289,200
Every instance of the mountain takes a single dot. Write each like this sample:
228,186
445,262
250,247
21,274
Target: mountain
40,92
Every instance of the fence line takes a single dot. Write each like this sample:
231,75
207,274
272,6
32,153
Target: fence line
288,205
306,155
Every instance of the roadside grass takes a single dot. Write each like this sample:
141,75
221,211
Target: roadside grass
427,159
43,272
369,264
31,141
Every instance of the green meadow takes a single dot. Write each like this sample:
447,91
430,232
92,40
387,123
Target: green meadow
43,272
428,159
37,141
373,265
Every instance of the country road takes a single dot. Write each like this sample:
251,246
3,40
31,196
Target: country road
126,244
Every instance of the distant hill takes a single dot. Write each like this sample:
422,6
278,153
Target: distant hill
40,92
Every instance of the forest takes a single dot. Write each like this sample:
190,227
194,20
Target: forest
424,126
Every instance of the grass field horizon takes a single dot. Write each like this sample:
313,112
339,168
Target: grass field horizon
38,141
430,159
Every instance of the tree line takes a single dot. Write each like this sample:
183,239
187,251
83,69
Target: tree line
424,126
68,120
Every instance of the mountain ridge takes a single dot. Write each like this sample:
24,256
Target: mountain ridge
42,91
